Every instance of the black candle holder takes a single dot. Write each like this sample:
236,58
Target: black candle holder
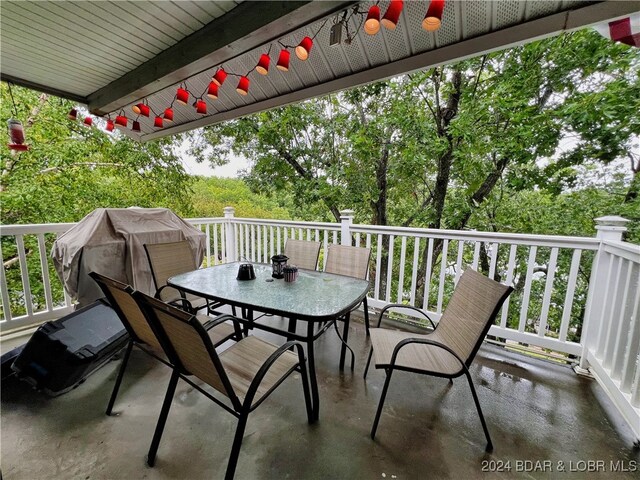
277,264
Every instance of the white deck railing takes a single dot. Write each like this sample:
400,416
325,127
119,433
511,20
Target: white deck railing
561,282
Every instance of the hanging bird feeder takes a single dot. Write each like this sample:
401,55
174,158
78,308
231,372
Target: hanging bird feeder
16,131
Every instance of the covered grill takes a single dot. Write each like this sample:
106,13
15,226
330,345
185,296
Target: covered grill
111,241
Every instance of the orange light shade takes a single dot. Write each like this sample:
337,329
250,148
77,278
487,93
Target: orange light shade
433,18
136,126
392,15
243,86
212,92
88,121
201,107
182,96
141,109
372,23
168,114
158,122
283,60
219,77
304,48
263,64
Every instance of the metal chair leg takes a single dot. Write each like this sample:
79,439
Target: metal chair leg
235,449
162,419
477,402
381,403
366,315
123,367
366,368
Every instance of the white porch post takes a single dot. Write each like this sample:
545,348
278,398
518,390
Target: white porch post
346,219
608,228
230,234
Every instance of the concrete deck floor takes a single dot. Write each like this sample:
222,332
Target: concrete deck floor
536,411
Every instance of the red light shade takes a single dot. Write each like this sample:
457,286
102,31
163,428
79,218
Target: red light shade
88,121
392,15
136,126
158,122
212,93
168,114
263,64
121,121
283,60
302,50
243,86
433,18
141,109
219,77
110,126
182,96
73,114
201,107
372,24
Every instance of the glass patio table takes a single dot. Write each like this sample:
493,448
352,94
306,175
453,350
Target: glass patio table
315,297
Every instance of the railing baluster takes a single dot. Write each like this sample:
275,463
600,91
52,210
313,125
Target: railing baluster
631,361
240,242
376,294
278,251
509,281
271,250
216,260
524,309
253,243
624,327
368,244
443,272
6,305
615,316
259,243
476,255
459,261
494,258
403,254
335,237
568,299
389,269
601,330
24,273
548,288
414,270
208,240
317,237
357,239
325,246
45,272
427,276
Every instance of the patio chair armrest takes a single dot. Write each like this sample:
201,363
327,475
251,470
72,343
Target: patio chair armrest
157,294
214,322
181,303
402,305
424,341
257,380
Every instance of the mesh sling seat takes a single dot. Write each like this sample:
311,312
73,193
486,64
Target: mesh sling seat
246,373
302,253
169,259
447,351
120,296
351,262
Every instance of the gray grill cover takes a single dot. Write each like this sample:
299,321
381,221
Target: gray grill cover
110,241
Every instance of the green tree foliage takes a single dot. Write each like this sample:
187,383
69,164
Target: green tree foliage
211,195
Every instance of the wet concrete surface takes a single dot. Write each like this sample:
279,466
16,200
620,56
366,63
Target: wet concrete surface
546,422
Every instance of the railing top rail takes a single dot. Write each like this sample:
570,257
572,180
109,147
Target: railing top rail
286,223
585,243
34,228
627,250
206,220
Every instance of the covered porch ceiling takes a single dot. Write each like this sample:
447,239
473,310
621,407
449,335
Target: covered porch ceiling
111,55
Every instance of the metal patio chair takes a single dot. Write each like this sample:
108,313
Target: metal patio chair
141,335
451,347
246,373
351,262
169,259
302,253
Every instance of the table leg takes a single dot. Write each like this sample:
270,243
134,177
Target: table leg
292,327
345,336
315,397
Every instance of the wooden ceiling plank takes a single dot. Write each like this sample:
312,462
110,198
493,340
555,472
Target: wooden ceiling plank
245,27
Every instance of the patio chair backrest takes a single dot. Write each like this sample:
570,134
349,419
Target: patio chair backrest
121,300
349,261
473,306
167,260
302,253
186,343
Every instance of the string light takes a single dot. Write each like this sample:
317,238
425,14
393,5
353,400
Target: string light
283,60
304,48
158,122
136,126
212,92
263,64
88,121
182,96
219,77
73,114
433,18
243,86
392,15
168,114
372,24
201,107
